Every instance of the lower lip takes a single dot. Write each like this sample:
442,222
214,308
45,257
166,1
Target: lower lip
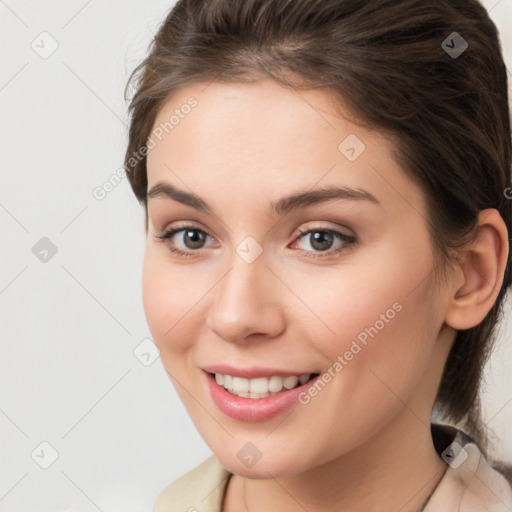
254,409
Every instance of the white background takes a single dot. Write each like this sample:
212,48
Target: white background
69,326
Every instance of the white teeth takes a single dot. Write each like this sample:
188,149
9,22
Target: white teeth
304,378
275,384
228,381
240,385
290,382
260,387
259,395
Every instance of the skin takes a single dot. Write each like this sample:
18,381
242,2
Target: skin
360,440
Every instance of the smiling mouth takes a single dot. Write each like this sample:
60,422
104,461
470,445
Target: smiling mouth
260,387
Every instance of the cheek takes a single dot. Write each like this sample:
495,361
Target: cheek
378,315
168,296
375,363
362,301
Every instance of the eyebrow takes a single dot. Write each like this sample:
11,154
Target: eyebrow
281,207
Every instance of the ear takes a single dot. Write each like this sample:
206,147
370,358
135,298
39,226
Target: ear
479,274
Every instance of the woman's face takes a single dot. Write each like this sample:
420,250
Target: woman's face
306,251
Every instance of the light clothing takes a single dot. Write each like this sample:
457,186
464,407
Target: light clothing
469,484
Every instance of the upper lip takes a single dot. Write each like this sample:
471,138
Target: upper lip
253,372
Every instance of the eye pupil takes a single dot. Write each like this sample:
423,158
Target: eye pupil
194,238
323,238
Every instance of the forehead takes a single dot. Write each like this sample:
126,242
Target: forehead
267,137
253,114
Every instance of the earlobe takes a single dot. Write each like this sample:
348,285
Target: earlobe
481,271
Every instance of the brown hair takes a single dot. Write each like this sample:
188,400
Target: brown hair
384,59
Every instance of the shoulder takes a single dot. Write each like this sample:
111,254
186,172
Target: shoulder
202,488
470,483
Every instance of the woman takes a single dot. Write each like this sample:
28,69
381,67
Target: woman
327,247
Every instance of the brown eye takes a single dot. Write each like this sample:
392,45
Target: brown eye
184,240
193,238
321,240
324,241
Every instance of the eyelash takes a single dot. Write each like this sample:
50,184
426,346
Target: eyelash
346,239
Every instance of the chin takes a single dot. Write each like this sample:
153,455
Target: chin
279,465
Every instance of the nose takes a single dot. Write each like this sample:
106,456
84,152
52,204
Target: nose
246,303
